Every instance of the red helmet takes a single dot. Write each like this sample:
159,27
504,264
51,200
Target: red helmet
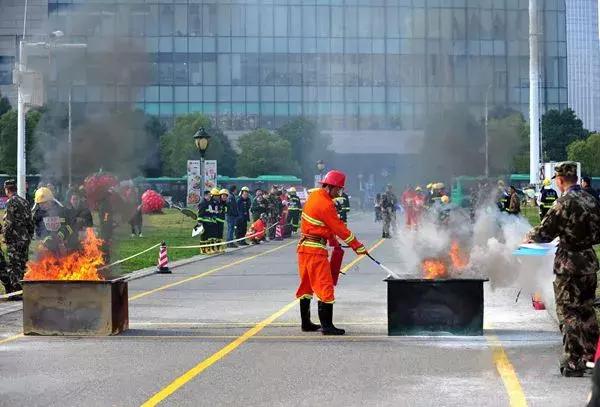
334,178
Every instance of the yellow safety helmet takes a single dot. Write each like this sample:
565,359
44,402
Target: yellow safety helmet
43,194
245,189
438,185
292,189
445,199
429,186
418,188
547,182
224,191
500,183
215,192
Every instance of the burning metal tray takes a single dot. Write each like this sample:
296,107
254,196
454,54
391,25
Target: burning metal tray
419,306
75,307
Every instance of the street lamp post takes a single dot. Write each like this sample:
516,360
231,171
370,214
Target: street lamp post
487,139
202,139
28,95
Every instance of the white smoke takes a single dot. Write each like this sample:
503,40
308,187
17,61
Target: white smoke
490,241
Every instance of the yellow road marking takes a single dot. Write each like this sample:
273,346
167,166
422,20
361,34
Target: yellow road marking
11,338
215,357
507,372
206,363
207,273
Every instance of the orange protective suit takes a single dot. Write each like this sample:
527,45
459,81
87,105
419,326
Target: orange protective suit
408,203
320,225
419,207
257,231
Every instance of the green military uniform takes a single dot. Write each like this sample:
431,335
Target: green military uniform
575,219
18,232
294,210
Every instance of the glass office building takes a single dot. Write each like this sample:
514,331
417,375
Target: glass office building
584,61
350,64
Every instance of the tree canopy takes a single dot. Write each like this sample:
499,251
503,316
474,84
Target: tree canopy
508,144
587,152
263,152
177,146
308,144
8,141
559,129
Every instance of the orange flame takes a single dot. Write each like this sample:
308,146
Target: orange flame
433,269
80,265
458,258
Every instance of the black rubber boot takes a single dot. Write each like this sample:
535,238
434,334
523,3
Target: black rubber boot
326,317
307,325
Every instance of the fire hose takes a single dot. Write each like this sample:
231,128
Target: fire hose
382,266
386,269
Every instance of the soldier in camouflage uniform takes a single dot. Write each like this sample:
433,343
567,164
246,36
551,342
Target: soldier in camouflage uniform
18,232
575,219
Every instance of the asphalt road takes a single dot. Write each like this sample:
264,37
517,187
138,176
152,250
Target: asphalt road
227,334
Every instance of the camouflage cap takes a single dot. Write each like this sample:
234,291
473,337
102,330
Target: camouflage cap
565,169
10,183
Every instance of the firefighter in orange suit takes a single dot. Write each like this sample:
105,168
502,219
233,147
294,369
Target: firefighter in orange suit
320,225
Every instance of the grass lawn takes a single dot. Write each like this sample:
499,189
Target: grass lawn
172,227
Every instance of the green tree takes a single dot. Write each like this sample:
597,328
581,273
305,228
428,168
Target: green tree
263,152
8,141
559,129
308,143
4,104
508,144
155,129
586,152
177,146
453,144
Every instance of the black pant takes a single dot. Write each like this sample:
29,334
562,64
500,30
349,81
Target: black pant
241,227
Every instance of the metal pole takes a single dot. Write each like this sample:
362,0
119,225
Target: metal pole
70,141
487,138
202,175
534,107
21,162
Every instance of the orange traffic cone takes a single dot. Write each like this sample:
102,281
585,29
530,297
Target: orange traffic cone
163,260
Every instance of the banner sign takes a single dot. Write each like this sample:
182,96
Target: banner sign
210,174
194,182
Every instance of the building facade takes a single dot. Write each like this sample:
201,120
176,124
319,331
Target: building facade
583,59
350,64
370,72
